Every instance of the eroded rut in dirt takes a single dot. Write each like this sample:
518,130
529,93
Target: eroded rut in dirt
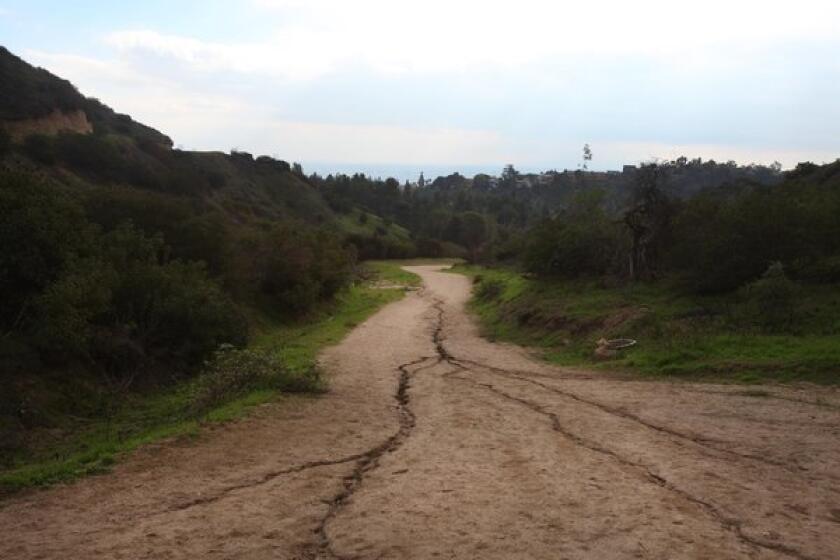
369,460
435,443
728,523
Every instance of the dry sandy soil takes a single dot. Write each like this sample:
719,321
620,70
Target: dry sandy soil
434,443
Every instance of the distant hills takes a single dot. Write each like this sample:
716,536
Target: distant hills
48,125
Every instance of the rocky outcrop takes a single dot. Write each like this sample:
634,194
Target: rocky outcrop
52,124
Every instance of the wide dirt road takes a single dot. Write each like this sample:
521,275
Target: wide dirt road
434,443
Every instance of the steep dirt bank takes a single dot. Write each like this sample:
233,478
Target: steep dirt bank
434,443
52,124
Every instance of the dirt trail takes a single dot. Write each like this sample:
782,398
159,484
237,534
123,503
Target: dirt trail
434,443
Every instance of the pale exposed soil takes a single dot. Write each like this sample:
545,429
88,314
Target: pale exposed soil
434,443
52,124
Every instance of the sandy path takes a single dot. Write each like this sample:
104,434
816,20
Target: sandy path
434,443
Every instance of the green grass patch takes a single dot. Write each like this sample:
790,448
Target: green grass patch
367,224
391,272
679,336
89,446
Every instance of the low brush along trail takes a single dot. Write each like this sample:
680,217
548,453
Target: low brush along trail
435,443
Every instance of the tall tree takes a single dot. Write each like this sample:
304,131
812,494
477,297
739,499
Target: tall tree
587,156
649,221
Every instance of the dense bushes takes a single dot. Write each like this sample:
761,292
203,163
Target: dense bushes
724,240
41,233
233,372
581,241
113,300
377,247
192,231
715,242
300,266
86,284
27,92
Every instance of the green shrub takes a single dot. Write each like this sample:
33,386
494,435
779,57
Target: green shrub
42,232
489,290
300,266
770,301
93,154
233,372
190,235
573,249
583,240
112,299
171,310
40,147
67,311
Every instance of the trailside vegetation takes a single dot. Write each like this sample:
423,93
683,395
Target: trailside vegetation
738,282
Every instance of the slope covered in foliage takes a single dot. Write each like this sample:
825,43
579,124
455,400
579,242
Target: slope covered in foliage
126,264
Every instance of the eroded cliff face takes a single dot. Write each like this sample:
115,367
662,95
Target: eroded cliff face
55,122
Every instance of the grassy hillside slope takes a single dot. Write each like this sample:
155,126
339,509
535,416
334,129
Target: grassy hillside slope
678,335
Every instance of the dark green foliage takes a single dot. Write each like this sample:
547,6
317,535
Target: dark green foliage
300,266
88,153
468,229
771,301
113,300
128,299
724,240
106,121
648,221
715,241
824,271
27,92
5,142
127,309
192,231
488,290
377,246
169,310
582,241
41,148
41,233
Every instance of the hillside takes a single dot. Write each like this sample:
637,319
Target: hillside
127,265
49,127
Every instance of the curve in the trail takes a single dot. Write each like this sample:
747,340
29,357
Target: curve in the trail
435,443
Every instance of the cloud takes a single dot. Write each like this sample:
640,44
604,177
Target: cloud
200,120
314,38
275,57
436,35
469,82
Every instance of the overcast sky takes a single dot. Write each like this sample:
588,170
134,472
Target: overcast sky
394,86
